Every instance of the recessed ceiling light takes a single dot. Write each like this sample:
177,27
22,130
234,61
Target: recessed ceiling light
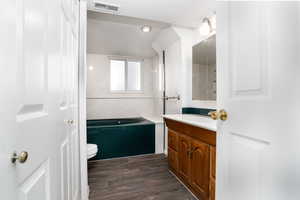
146,29
91,68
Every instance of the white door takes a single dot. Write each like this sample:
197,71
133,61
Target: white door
258,61
38,96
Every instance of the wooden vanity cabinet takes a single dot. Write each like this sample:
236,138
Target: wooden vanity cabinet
172,159
199,178
212,189
184,164
191,156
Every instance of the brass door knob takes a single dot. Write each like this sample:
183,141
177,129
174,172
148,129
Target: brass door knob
22,157
215,115
223,115
70,121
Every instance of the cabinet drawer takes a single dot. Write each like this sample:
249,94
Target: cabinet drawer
173,140
173,159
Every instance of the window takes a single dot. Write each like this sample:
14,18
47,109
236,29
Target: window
125,75
117,75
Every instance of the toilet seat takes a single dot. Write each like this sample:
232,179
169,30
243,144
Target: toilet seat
92,150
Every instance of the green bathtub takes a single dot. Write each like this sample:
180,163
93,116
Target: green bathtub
121,137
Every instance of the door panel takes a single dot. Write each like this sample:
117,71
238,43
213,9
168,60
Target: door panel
38,185
40,60
183,157
32,63
74,103
253,58
248,61
74,165
8,100
257,63
200,167
252,159
65,70
65,170
32,84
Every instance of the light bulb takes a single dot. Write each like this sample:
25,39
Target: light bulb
213,22
146,29
91,68
205,28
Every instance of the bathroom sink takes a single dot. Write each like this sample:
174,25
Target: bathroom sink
195,120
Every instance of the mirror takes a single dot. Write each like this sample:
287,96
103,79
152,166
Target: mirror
204,70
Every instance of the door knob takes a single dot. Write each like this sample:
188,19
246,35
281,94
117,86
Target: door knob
70,121
223,115
215,115
22,157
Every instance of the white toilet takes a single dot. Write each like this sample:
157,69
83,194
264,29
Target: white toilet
92,150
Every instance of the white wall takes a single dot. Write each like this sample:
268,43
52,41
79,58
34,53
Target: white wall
174,85
188,39
157,86
102,104
169,42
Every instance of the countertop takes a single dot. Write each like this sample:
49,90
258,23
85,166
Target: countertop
154,119
195,120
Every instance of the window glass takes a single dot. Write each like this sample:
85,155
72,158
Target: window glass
134,76
125,75
117,75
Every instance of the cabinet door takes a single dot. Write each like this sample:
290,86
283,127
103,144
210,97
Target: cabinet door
173,140
213,162
212,191
200,168
183,156
173,159
212,172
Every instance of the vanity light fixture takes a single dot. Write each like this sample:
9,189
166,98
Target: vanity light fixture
205,27
146,29
213,22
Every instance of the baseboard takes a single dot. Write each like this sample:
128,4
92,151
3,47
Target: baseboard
148,154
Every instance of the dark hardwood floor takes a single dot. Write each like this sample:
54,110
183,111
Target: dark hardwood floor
135,178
